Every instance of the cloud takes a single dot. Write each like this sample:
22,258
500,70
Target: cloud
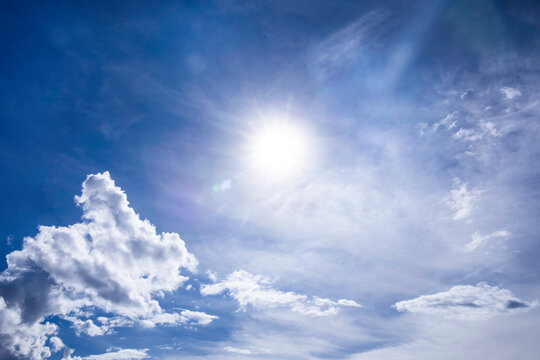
462,200
510,93
112,261
465,302
237,350
346,45
478,240
449,122
467,135
255,290
56,343
351,303
497,338
122,354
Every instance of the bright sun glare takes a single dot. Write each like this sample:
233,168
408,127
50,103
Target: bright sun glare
278,151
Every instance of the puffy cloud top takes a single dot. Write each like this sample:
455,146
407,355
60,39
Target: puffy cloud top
112,261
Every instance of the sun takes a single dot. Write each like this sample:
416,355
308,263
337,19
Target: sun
278,151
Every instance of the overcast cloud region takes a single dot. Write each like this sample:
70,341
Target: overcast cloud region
355,180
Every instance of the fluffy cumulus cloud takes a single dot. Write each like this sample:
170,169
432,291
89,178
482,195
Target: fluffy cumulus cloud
255,290
112,261
465,302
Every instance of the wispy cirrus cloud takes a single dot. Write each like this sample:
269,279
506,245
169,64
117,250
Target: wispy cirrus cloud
510,92
256,291
462,200
346,45
478,240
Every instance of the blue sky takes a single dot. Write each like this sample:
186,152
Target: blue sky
269,179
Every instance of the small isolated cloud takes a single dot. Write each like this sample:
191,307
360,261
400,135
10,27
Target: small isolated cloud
510,92
478,240
465,302
461,200
237,350
351,303
255,290
112,261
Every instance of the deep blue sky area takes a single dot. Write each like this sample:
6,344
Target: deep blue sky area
306,179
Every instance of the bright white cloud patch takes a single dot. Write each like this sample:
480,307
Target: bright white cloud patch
255,290
461,200
510,92
465,302
112,261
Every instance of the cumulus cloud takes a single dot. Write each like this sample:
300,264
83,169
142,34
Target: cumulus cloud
510,92
465,302
478,240
461,200
256,290
112,261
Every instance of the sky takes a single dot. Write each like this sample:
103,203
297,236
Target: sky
215,180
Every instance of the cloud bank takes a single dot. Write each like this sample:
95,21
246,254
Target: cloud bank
112,261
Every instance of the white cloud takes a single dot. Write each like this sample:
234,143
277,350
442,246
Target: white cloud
255,290
237,350
465,302
187,317
449,122
345,302
510,92
462,200
347,44
478,240
467,135
112,260
19,339
497,338
212,275
123,354
56,343
489,128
